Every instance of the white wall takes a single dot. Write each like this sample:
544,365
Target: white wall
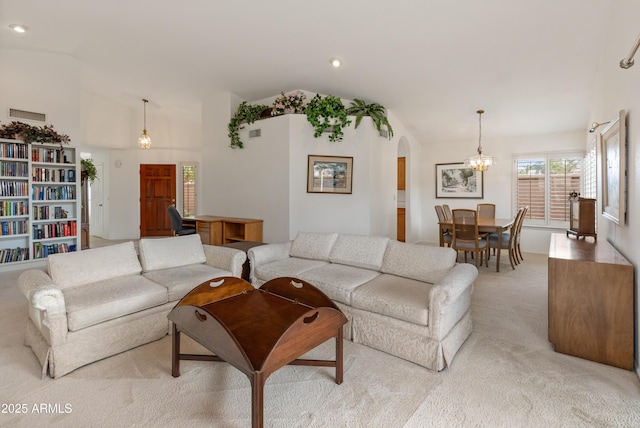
267,179
43,83
498,180
619,89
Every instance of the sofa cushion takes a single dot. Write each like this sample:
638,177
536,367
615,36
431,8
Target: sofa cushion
315,246
359,250
394,296
88,266
165,253
112,298
338,281
291,266
182,279
421,262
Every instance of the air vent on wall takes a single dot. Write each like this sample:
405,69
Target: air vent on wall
384,133
255,133
27,115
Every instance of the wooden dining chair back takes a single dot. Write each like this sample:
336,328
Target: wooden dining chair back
486,210
517,238
508,241
446,232
447,212
466,237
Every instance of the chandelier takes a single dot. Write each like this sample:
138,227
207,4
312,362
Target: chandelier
145,140
479,162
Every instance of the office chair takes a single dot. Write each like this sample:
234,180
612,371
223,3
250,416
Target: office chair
176,223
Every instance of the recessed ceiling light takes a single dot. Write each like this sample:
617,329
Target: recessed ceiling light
335,62
18,28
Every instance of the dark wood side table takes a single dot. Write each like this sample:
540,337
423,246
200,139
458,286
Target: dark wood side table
244,246
257,331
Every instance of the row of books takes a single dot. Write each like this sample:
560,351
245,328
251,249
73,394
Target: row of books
56,175
14,169
53,193
47,212
8,255
54,230
43,154
8,208
14,150
14,188
14,227
41,251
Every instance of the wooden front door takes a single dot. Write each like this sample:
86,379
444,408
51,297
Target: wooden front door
157,192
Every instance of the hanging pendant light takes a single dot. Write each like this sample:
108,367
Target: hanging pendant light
479,162
145,140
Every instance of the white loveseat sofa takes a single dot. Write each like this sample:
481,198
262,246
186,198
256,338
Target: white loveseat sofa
92,304
411,301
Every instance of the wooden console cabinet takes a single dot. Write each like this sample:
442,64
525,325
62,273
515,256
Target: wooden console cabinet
591,301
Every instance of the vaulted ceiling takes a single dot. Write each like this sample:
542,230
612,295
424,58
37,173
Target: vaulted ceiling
531,65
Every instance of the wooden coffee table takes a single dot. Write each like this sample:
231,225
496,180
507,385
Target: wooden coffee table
257,330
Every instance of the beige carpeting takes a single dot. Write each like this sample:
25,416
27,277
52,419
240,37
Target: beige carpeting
505,375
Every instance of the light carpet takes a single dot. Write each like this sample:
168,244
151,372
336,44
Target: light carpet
505,375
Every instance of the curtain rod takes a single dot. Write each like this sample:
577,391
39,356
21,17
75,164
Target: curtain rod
628,61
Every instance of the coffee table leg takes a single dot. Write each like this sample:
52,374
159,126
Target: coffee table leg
175,352
339,351
257,400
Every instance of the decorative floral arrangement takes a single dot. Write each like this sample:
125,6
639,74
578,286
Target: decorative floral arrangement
29,134
290,103
574,195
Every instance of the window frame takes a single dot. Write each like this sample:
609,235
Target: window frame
196,167
546,157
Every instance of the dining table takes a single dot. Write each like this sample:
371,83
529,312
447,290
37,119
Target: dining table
485,225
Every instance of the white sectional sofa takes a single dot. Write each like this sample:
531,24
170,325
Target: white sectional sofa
411,301
92,304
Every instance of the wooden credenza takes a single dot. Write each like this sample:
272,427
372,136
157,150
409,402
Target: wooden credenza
214,230
591,301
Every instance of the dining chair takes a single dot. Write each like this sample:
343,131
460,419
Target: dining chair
518,230
486,210
446,233
508,241
466,237
447,212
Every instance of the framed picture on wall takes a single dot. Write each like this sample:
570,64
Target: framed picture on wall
329,174
454,180
613,147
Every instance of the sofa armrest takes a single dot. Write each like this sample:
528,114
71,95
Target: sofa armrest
268,253
226,258
450,299
47,309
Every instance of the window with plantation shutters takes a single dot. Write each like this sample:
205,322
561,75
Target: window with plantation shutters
188,190
544,182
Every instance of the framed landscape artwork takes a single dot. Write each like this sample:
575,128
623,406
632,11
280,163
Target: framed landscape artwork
614,164
329,174
454,180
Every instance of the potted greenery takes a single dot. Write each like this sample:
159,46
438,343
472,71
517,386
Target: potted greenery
359,109
88,170
325,113
290,103
246,113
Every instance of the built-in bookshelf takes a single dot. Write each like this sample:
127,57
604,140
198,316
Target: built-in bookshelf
39,208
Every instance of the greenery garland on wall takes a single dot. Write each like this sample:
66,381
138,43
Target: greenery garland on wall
29,134
325,114
246,113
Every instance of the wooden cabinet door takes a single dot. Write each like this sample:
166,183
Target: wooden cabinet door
401,225
402,172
